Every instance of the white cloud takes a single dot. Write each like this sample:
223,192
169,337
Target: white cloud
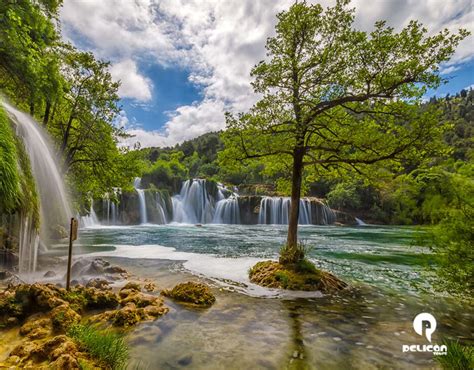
446,70
133,84
219,42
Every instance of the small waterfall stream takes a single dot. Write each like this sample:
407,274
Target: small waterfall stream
54,203
91,219
141,199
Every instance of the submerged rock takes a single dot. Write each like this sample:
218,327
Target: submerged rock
191,292
304,277
49,274
136,307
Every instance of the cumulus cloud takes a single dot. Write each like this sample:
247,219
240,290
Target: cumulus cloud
219,42
133,84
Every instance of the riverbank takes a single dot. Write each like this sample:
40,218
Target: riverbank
366,328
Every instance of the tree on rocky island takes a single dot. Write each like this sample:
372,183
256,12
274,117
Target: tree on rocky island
334,98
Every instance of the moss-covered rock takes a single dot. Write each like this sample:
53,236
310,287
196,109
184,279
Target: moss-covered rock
191,292
136,307
97,299
63,317
304,276
37,327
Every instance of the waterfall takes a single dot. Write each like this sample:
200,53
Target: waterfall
227,209
161,207
141,199
54,202
276,210
193,205
91,219
28,246
110,209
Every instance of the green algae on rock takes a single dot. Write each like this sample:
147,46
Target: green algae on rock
191,292
305,276
135,307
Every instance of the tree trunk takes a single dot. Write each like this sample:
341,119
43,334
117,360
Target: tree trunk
292,252
32,107
46,113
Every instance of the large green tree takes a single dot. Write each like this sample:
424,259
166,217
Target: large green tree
334,98
29,71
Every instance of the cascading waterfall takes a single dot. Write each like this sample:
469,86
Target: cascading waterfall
276,210
54,202
91,219
161,209
193,205
141,199
110,209
227,209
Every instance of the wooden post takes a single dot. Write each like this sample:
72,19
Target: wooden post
72,237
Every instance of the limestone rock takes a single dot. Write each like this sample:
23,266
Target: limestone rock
63,317
191,292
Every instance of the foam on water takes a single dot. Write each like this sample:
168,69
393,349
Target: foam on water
225,271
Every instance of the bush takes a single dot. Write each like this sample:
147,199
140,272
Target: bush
105,346
458,357
9,176
344,196
292,256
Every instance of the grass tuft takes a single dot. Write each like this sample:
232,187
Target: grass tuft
459,357
105,346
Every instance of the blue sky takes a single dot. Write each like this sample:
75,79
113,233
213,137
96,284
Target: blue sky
183,63
171,90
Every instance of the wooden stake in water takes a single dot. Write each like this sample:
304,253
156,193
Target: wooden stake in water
72,237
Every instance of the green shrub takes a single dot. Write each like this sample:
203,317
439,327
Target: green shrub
9,176
105,346
293,256
458,357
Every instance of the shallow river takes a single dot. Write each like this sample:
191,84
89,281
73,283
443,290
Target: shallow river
252,328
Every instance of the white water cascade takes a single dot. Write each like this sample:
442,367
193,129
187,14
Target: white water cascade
276,210
161,209
110,208
54,202
193,205
141,199
227,209
91,219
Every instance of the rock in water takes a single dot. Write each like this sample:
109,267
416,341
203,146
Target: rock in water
306,277
191,292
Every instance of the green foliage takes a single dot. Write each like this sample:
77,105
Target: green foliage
107,347
167,172
71,92
17,186
290,255
452,238
337,100
27,40
344,195
9,176
458,357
